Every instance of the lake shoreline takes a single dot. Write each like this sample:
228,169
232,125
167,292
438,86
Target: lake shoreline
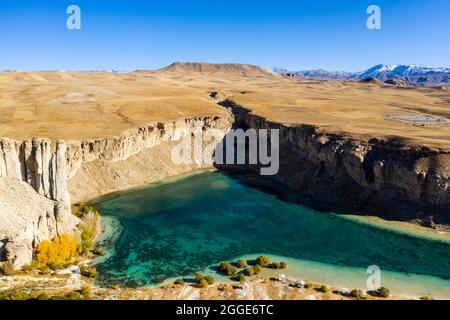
175,179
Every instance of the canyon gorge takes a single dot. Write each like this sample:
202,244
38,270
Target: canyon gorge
71,137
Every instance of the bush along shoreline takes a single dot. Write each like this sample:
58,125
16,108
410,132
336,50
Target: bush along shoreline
243,270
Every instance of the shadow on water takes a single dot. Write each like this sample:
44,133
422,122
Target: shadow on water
179,229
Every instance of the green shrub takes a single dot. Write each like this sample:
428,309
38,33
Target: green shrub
426,298
203,283
383,292
210,279
27,268
241,263
277,265
88,228
356,293
14,295
257,269
6,268
86,291
324,289
82,211
249,271
179,282
199,277
88,233
240,277
42,296
263,261
222,287
73,295
88,271
99,251
227,269
44,270
308,284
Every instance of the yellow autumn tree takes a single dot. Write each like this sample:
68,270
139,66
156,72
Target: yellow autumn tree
62,249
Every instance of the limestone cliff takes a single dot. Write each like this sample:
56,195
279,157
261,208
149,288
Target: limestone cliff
84,168
389,178
34,162
139,157
27,218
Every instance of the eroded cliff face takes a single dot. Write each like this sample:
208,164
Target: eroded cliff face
388,178
48,174
141,156
35,163
27,218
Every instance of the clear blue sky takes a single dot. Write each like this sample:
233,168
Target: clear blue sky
296,34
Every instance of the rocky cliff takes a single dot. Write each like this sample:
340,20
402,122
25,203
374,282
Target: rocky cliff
27,218
84,168
139,157
388,178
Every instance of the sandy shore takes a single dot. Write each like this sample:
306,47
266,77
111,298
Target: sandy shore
401,285
259,288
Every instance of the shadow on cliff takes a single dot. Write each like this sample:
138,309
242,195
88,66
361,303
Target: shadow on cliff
301,181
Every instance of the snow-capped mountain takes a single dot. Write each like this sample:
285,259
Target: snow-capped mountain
315,74
384,72
412,75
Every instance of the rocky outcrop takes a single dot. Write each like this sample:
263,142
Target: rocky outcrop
386,177
35,177
92,167
35,163
140,156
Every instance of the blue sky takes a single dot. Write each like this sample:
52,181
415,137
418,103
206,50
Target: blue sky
296,35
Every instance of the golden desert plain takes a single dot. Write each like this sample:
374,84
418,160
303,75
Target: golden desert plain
86,105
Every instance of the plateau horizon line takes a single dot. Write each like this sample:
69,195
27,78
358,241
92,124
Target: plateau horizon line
274,68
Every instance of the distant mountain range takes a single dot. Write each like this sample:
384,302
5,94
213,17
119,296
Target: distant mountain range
405,75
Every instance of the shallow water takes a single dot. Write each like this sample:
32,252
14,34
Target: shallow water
177,229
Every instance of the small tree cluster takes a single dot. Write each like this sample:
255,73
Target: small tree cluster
204,281
324,289
89,232
251,271
263,261
227,269
239,277
356,293
241,263
383,292
88,271
277,265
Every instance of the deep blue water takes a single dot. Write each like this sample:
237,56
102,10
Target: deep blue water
179,228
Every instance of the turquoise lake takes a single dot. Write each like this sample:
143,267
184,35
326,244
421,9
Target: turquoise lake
182,227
